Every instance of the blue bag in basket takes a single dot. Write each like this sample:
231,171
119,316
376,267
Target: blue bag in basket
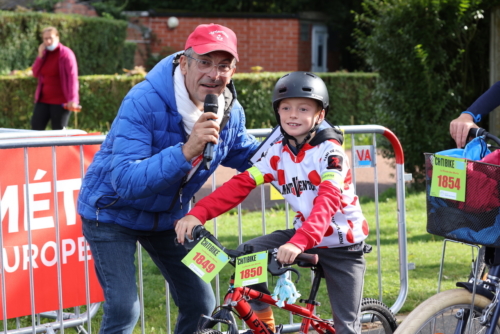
486,236
476,149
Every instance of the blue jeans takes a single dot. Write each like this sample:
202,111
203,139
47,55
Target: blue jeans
113,248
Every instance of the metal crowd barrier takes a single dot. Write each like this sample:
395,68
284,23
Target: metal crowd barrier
6,133
76,319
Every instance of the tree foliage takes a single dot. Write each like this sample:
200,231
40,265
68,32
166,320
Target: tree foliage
432,59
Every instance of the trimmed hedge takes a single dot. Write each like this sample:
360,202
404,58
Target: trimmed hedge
95,41
101,96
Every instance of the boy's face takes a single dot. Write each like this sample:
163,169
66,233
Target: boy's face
298,115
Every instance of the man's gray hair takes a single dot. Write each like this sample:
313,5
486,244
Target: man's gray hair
189,53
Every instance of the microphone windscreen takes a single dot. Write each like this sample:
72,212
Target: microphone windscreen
211,103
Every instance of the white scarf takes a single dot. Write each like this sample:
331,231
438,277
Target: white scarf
188,110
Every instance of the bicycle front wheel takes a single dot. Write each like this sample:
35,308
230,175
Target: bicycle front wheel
376,317
443,312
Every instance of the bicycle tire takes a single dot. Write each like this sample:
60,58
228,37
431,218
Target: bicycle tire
437,313
376,317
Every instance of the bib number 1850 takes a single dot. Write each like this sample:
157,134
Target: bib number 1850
251,272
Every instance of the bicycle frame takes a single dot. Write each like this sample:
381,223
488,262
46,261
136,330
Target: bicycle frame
237,299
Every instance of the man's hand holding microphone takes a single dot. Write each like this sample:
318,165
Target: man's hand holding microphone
205,133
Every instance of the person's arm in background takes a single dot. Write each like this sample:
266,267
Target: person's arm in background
71,89
37,65
487,102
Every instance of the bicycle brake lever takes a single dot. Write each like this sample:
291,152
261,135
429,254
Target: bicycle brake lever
297,272
277,269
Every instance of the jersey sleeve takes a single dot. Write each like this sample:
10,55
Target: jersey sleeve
224,198
326,204
333,169
230,194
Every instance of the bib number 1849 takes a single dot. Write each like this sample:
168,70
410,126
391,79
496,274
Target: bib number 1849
205,264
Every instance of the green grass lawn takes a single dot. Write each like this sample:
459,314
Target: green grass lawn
424,250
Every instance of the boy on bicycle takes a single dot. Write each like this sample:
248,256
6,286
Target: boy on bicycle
313,174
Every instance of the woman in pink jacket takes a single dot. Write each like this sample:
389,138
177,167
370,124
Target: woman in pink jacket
57,90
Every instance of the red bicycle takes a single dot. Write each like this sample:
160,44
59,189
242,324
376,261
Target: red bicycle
376,317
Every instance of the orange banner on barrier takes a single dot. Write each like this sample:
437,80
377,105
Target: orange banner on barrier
34,197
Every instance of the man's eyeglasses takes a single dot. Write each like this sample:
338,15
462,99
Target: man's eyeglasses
205,66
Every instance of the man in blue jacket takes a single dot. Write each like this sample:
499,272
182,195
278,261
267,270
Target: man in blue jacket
149,167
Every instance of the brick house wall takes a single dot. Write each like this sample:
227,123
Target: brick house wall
273,43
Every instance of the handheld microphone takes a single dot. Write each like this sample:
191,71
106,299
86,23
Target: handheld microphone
211,105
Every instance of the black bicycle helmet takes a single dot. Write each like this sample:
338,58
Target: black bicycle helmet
300,84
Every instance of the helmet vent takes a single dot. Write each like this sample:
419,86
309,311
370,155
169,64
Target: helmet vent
307,89
282,90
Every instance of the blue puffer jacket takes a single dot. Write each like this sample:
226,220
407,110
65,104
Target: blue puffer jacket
137,178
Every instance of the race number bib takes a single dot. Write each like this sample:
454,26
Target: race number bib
251,269
206,260
448,178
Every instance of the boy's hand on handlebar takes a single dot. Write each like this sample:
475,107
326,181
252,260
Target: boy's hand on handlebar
459,129
287,253
185,226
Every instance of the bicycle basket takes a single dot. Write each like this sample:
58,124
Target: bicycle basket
475,221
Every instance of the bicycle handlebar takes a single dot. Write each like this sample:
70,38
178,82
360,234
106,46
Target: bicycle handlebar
477,132
199,232
306,257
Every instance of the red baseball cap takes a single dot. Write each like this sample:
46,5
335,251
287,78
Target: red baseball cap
212,37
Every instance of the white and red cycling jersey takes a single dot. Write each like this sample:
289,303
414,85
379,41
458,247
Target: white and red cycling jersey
316,183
